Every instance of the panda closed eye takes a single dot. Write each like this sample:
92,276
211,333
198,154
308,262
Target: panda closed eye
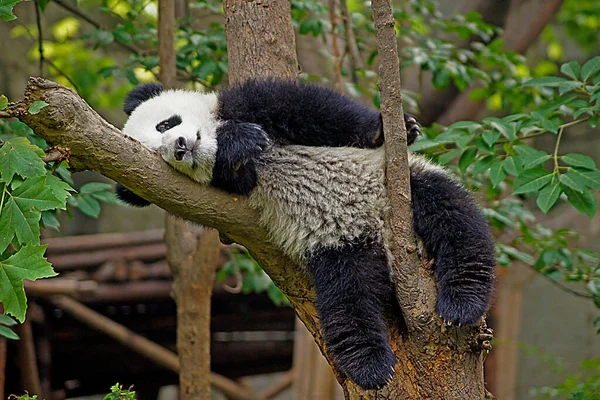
168,123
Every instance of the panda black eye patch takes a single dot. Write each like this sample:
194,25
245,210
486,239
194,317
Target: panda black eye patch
168,123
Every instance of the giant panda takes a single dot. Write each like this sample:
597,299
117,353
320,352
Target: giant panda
311,162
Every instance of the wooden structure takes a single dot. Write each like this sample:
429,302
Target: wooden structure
117,286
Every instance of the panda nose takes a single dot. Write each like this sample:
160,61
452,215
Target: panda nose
180,148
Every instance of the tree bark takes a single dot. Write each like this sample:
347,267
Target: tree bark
191,255
260,39
192,259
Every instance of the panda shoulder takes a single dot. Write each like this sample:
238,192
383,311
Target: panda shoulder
420,163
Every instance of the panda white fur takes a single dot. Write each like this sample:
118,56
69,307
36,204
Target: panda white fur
312,164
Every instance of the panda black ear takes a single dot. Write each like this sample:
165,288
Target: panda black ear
140,94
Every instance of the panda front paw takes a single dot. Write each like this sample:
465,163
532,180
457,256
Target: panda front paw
371,367
239,143
413,129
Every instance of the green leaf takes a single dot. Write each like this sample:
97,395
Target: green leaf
561,101
572,181
8,333
516,254
450,136
524,150
468,125
483,164
513,165
19,156
531,180
3,102
94,187
441,78
36,107
490,137
34,194
449,156
585,202
548,81
14,221
467,158
589,178
503,127
594,287
548,196
43,4
579,160
533,160
590,68
6,9
123,37
423,144
571,69
107,197
6,320
60,189
497,174
50,221
551,125
568,86
88,205
28,263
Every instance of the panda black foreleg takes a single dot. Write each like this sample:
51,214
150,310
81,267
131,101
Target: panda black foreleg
238,144
454,232
353,284
127,196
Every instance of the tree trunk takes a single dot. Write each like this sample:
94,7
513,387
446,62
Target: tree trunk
191,255
192,259
261,43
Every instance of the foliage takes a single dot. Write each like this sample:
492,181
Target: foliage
581,386
25,396
580,19
31,195
495,154
5,331
118,393
250,277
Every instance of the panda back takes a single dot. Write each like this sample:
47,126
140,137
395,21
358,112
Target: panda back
320,196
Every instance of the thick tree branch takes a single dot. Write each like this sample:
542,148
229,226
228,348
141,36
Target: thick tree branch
95,144
403,243
417,375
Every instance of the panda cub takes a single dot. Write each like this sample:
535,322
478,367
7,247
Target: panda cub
312,164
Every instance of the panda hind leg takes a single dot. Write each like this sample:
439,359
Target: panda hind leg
353,285
454,232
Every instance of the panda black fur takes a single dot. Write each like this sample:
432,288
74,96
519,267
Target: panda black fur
312,164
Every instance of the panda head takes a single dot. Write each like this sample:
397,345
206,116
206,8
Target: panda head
180,125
